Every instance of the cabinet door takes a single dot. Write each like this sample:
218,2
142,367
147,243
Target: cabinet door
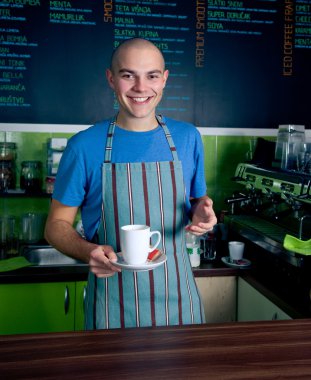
218,295
253,306
79,307
36,308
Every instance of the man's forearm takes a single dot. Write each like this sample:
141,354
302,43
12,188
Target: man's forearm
61,235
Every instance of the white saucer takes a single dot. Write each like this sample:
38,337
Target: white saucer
244,263
149,265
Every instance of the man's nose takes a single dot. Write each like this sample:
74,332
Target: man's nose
140,84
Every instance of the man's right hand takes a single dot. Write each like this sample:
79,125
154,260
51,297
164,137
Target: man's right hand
100,261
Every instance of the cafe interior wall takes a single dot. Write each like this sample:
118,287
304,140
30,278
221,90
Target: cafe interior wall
222,154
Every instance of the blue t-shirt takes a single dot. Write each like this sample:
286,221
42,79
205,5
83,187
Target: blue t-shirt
79,178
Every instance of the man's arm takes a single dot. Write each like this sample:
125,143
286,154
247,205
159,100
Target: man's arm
59,232
202,215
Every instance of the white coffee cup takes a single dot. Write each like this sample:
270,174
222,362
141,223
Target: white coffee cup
236,250
135,243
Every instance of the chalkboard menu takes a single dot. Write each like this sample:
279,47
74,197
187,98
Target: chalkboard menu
232,63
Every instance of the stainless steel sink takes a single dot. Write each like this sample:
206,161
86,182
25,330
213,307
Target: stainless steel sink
47,256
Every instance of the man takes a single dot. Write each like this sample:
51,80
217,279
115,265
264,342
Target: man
136,168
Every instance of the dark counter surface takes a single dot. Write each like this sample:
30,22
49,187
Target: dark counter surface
52,273
235,351
80,272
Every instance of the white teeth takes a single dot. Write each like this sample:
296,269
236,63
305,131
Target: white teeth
140,100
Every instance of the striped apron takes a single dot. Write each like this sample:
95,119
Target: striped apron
150,193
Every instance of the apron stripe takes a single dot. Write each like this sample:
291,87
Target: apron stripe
146,199
94,304
166,294
106,303
152,307
174,242
161,204
104,224
136,299
147,213
163,240
129,181
189,292
187,278
122,323
115,205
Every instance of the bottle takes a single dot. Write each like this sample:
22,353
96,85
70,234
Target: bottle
49,185
193,249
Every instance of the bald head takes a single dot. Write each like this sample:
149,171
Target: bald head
133,43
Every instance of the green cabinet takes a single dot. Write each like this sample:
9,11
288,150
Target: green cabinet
37,307
41,307
253,306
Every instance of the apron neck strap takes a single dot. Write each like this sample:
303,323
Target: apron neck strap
110,134
111,129
168,137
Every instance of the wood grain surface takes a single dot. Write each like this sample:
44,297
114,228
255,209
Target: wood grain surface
254,350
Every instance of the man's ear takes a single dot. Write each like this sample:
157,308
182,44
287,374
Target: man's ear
165,76
109,77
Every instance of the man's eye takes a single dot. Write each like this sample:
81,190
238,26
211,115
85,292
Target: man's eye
127,76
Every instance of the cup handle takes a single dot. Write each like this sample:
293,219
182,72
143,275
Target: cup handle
157,242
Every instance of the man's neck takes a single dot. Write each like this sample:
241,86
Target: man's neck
137,124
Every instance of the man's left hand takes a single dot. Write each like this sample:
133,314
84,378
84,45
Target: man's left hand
203,216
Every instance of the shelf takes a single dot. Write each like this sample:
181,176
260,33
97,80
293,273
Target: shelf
22,194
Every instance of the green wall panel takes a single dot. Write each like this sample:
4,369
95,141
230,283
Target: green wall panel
222,154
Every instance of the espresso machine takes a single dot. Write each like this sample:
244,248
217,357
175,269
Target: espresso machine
271,203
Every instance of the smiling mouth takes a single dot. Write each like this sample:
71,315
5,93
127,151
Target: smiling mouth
141,99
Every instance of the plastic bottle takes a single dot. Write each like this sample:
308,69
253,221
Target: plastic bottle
193,249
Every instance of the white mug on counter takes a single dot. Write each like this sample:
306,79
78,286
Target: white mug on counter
135,243
236,250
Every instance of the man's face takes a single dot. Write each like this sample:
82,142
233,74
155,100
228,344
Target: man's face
138,79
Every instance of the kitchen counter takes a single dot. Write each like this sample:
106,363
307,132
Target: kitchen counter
235,351
51,273
72,273
54,273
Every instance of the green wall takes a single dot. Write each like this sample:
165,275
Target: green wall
222,154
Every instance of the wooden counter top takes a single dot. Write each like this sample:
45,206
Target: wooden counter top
260,350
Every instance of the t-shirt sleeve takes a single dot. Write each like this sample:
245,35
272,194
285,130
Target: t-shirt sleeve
70,181
198,184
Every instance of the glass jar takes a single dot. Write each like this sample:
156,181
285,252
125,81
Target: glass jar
7,166
7,151
7,176
31,177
